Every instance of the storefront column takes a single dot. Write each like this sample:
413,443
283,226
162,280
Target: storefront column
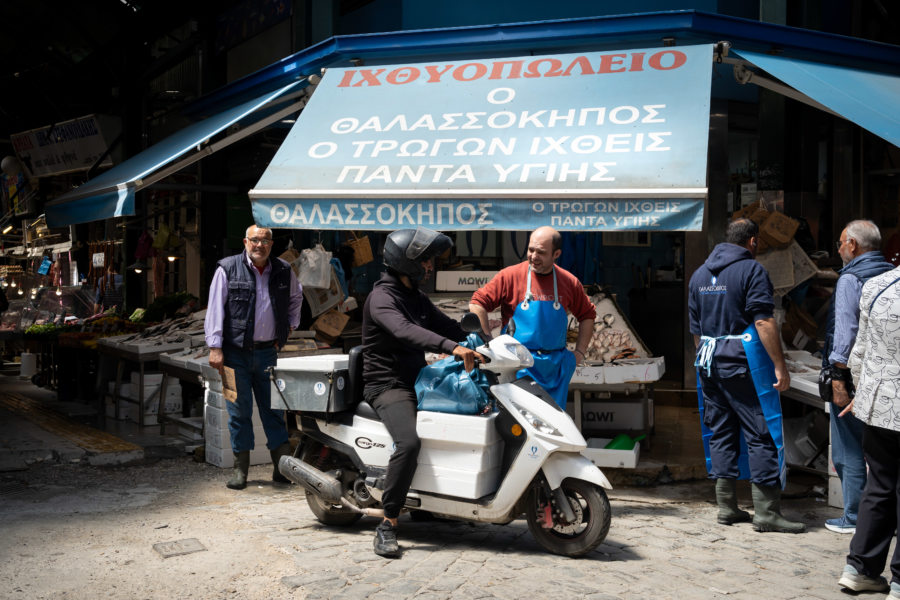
697,245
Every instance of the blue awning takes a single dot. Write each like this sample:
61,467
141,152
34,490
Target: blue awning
866,98
111,194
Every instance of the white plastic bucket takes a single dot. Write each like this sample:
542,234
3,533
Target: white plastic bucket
28,365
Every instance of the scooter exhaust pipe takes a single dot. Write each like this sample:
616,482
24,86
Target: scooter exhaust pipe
318,482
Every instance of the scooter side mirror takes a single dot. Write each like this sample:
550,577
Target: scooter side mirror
470,322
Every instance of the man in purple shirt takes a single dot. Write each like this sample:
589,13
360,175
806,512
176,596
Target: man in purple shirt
254,303
859,248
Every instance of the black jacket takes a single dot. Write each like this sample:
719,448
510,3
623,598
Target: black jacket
399,325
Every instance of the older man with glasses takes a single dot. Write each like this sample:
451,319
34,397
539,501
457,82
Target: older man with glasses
860,249
254,303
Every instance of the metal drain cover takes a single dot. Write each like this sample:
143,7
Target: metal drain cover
179,547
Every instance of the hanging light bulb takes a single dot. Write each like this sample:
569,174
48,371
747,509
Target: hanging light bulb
58,291
12,284
21,292
171,258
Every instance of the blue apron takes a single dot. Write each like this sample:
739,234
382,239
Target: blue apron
762,373
541,327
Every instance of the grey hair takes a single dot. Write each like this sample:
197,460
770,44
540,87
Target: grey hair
866,234
258,228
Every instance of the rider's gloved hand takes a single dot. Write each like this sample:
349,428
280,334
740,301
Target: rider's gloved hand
468,357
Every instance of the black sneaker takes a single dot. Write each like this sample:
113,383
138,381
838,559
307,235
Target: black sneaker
386,540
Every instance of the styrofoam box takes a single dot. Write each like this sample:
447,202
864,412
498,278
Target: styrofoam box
214,399
612,416
213,384
456,482
191,429
209,373
221,438
173,392
601,456
129,412
149,378
631,370
224,457
217,418
835,494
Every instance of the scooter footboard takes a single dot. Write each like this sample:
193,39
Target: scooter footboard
561,465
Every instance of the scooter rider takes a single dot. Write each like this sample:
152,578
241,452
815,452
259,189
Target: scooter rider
399,325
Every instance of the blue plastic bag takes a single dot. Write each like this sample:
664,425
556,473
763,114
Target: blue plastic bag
444,386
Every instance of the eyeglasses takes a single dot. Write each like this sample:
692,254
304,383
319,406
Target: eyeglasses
840,243
260,241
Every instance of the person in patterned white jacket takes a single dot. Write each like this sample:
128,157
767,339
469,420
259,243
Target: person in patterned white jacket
875,365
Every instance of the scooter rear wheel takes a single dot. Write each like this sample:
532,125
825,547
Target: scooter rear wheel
326,513
591,508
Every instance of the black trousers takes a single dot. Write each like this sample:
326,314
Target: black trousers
878,508
397,409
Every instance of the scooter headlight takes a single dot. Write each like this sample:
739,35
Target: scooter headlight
536,421
521,353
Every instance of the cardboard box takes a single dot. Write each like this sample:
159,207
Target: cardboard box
799,329
292,257
330,325
778,230
320,300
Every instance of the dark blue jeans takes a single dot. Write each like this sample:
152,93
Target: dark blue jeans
252,380
847,456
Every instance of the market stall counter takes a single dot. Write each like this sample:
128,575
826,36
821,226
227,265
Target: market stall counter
139,352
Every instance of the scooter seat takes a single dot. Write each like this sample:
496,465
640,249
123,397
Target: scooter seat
365,410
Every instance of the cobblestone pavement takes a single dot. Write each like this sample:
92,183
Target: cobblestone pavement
72,531
663,543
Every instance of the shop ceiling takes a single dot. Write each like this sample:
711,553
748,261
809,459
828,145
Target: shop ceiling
676,28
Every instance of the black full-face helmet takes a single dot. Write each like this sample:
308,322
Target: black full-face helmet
406,249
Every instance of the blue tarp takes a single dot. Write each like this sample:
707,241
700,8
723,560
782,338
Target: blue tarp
866,98
111,194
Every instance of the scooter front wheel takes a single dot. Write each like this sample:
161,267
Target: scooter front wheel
592,518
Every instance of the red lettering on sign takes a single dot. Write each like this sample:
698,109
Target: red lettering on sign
678,59
459,73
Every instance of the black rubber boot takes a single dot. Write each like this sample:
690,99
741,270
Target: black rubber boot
726,498
386,540
277,453
238,479
767,511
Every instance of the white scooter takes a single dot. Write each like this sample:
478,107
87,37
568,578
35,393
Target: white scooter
524,457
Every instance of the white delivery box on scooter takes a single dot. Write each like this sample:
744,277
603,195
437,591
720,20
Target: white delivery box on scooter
311,383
